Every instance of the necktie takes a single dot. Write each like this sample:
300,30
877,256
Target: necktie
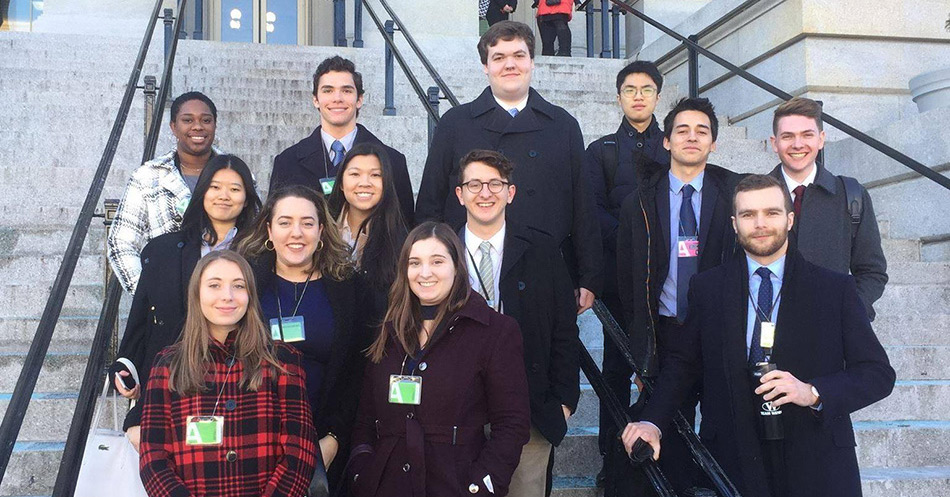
685,266
513,111
338,153
486,271
764,303
483,7
799,192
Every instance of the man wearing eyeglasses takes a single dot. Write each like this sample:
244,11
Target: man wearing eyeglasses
612,163
521,274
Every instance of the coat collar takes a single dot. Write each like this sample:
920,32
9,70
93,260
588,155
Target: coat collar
313,144
498,120
823,178
516,244
475,308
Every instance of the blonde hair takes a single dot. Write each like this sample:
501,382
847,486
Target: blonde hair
191,356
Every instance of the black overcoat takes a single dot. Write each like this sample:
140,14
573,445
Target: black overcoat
643,248
823,337
159,305
307,161
546,146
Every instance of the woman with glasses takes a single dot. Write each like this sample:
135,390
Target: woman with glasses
228,205
310,300
225,411
443,366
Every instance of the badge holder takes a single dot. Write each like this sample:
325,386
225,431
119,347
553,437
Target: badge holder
687,246
204,430
405,389
288,330
326,185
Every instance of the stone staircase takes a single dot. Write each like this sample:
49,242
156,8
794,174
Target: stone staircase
56,113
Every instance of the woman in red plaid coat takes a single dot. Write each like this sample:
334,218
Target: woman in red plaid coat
225,410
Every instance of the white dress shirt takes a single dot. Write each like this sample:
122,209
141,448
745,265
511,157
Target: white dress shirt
792,184
472,242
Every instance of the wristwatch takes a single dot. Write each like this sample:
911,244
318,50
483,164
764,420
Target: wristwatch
814,391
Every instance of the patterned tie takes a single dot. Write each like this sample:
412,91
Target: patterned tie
486,271
513,111
756,353
338,154
685,266
799,192
483,7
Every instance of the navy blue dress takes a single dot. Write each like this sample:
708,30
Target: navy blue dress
318,324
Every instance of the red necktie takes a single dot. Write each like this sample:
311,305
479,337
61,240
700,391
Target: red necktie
799,192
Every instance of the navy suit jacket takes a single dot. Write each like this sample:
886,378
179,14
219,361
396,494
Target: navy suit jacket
306,162
823,337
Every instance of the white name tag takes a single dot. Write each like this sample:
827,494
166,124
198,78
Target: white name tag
767,338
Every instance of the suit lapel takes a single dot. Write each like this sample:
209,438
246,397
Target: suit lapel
790,307
663,213
313,156
735,314
707,209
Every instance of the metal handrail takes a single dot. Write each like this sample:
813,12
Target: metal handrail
422,58
416,87
79,428
26,383
837,123
700,453
620,418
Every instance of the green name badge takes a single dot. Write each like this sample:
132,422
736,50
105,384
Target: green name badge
405,389
326,184
292,327
204,430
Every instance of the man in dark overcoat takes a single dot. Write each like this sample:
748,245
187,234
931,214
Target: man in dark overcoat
653,272
828,361
524,277
542,140
824,232
314,161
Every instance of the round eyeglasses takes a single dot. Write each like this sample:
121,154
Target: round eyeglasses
475,186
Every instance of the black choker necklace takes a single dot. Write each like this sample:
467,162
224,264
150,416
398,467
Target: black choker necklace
428,312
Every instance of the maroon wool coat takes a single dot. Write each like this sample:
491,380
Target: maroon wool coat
473,375
268,448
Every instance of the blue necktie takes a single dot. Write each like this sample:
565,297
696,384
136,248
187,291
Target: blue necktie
685,266
338,154
756,353
513,111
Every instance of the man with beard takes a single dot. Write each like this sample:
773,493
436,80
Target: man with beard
675,224
771,305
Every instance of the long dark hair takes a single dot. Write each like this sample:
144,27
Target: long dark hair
196,222
385,227
331,261
403,314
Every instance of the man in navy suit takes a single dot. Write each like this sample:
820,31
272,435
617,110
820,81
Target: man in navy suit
315,160
829,361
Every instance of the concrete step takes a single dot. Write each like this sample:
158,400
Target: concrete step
62,372
42,268
891,444
928,481
51,240
30,300
915,400
72,334
918,273
911,298
32,469
59,407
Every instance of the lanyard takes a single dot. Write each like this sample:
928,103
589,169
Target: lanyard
280,312
224,384
758,312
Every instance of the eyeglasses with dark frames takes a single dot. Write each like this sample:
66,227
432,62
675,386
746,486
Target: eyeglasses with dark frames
476,186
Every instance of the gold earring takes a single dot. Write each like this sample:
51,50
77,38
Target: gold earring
271,248
319,245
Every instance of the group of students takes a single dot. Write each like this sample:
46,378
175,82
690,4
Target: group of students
318,340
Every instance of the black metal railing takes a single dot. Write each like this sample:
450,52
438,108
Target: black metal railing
609,28
691,44
33,363
700,454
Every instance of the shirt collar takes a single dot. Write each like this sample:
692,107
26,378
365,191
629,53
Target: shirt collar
520,105
777,267
225,243
347,140
677,184
497,240
792,184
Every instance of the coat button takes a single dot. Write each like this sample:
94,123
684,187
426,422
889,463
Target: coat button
534,368
423,366
161,323
232,456
521,285
145,261
639,144
532,153
405,467
230,404
181,244
630,134
473,489
410,415
177,218
530,192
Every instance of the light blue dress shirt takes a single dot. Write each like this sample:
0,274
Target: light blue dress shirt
778,272
668,295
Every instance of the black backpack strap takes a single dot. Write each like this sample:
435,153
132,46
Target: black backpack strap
611,161
855,194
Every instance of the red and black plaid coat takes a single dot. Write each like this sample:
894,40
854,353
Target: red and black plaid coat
268,447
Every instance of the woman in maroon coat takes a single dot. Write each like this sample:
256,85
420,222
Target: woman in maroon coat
444,366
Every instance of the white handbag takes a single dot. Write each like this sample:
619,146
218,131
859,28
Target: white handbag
109,461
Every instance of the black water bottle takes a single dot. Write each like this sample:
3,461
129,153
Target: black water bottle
770,417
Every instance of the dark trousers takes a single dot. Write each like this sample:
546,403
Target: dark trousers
551,27
675,459
617,372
